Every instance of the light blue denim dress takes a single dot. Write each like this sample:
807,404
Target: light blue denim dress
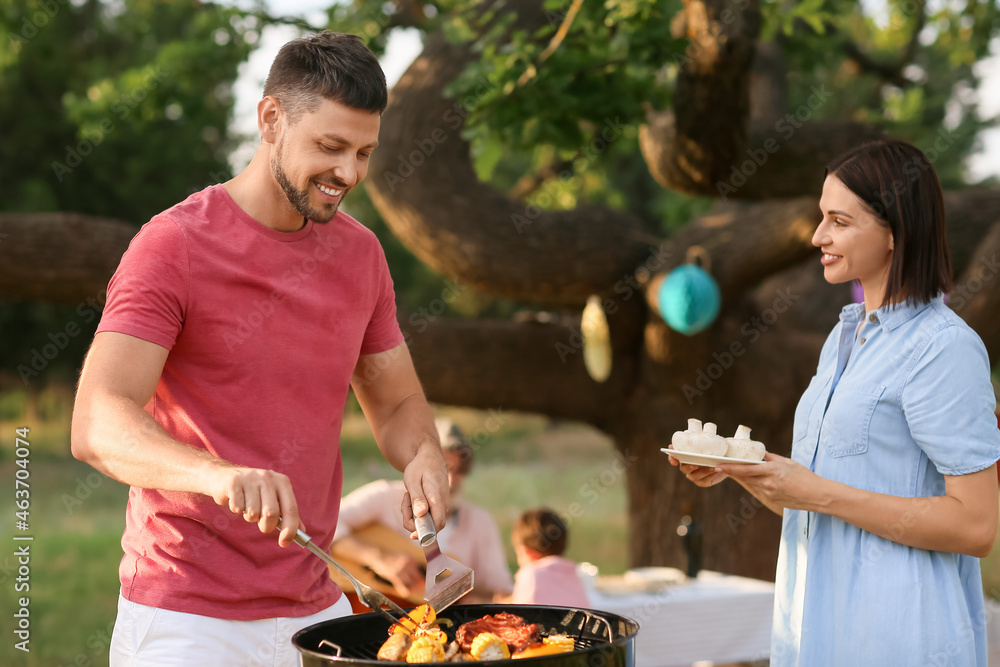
892,410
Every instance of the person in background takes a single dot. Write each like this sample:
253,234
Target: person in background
889,498
544,576
471,536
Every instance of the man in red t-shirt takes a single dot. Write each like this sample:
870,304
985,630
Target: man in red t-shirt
216,382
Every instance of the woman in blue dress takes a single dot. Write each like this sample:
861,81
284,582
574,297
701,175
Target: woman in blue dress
890,496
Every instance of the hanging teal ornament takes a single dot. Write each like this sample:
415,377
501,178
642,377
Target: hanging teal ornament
689,297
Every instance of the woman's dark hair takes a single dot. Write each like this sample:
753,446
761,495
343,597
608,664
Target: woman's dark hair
328,64
542,531
896,182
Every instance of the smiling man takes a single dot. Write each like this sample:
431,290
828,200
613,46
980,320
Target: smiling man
216,383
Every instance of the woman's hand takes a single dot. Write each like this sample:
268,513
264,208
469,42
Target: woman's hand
778,482
703,476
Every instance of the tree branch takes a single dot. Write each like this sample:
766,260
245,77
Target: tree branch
557,39
529,183
526,366
749,242
891,72
712,144
59,257
423,183
976,295
707,128
782,158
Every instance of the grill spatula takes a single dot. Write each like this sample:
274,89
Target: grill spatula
447,579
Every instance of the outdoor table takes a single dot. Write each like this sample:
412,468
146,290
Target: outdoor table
715,617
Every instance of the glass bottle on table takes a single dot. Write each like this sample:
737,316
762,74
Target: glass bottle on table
690,532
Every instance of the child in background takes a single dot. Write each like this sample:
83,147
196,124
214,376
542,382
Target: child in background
544,577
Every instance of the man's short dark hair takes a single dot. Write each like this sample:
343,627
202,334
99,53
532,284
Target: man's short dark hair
542,531
331,65
896,182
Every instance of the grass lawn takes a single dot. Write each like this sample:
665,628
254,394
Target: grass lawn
77,517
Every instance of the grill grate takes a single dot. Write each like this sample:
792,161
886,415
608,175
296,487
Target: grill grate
369,651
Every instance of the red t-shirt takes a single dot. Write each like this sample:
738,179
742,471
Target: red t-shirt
264,330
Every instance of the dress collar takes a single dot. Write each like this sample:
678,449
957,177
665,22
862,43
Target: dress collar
889,317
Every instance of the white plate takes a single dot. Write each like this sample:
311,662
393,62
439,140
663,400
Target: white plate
704,459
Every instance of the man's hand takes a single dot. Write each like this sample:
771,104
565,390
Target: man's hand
112,432
259,496
426,481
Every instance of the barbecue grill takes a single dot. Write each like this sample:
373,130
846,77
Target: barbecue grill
600,639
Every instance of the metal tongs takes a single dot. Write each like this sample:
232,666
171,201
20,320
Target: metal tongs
371,597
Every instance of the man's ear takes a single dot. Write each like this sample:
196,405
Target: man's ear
269,117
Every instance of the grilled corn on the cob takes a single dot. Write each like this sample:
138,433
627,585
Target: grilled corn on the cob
487,646
425,649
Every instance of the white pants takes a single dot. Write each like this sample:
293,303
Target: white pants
150,637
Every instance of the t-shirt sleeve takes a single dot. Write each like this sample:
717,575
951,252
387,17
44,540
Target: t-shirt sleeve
148,294
948,402
383,330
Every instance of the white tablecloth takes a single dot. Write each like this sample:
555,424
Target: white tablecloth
716,617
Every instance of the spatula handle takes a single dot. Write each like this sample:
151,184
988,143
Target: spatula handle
426,532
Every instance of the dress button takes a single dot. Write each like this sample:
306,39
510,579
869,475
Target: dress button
872,318
863,341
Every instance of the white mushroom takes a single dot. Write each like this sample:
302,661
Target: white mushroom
700,440
680,438
742,447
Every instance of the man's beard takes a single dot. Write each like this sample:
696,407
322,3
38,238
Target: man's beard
299,199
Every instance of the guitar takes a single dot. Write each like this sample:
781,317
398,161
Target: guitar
389,540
